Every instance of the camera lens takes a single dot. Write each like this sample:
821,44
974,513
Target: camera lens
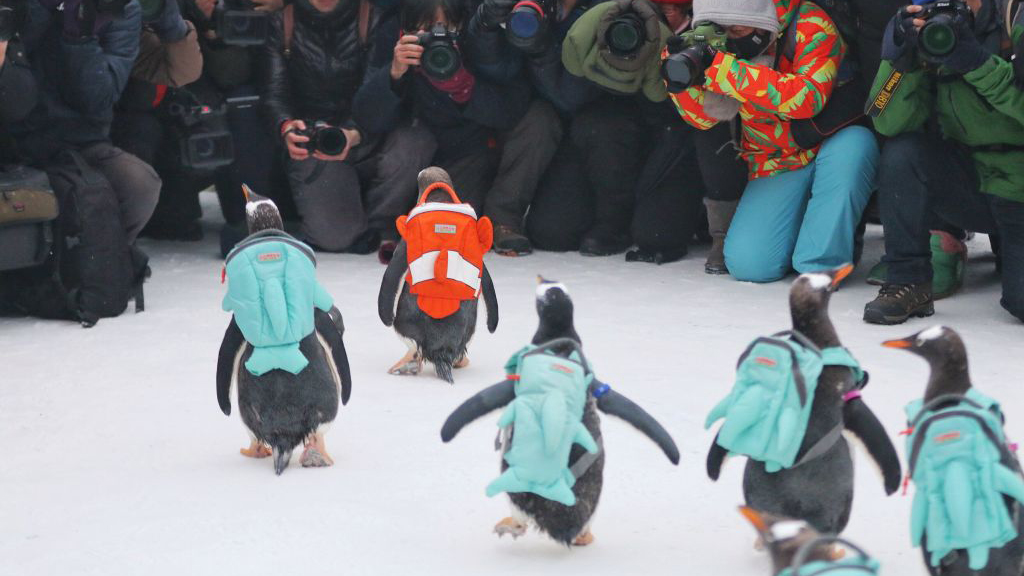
441,61
938,37
625,35
203,148
331,141
525,20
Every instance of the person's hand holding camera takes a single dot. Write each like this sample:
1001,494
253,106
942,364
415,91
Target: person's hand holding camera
408,53
899,45
294,140
968,54
494,12
352,138
169,26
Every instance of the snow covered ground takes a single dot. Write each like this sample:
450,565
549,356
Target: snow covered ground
118,461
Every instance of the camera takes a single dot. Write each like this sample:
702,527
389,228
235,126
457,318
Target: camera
687,56
529,23
12,18
323,138
204,141
441,59
937,37
239,24
625,35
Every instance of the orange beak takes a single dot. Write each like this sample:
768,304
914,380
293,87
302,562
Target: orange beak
754,517
540,279
840,274
245,191
902,343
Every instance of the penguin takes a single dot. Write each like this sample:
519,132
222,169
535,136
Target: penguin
281,410
819,491
568,525
946,355
785,539
442,342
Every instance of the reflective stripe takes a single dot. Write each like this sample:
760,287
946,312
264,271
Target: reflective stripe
422,268
443,207
463,270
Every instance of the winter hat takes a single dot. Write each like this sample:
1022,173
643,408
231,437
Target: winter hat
757,13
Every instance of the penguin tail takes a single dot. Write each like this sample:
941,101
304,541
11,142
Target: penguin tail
282,455
444,371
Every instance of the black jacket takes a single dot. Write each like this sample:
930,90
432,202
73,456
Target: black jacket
325,68
18,90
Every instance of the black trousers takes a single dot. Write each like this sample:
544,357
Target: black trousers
922,177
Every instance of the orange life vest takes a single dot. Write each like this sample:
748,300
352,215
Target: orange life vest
446,245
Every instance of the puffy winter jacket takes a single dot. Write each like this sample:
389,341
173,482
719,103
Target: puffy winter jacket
325,68
983,109
772,98
18,90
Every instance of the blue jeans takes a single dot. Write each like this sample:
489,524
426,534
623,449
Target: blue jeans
804,219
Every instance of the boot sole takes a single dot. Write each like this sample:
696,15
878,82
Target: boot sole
921,312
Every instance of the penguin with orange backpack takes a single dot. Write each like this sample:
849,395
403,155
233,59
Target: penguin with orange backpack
437,275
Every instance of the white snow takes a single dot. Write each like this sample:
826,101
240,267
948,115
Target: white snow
818,281
930,334
117,460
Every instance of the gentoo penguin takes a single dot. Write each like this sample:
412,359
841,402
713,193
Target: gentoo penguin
795,547
440,341
290,403
567,524
949,386
820,489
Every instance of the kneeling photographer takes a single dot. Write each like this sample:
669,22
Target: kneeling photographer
948,97
349,182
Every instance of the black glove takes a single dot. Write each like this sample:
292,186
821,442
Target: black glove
968,54
169,25
899,42
493,12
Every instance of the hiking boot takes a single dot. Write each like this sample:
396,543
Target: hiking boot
510,241
600,244
896,303
878,274
949,258
366,243
715,264
720,215
656,256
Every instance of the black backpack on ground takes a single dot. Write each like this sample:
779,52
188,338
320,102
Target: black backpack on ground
91,272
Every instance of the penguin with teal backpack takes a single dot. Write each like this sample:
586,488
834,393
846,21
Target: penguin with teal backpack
795,394
553,456
283,351
967,510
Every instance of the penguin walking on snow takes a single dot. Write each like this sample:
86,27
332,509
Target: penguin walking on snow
283,351
817,486
967,515
563,515
437,274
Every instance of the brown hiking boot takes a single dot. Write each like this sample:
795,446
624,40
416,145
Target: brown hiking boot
510,241
896,303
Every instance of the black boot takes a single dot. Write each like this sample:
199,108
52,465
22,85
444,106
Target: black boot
896,303
602,243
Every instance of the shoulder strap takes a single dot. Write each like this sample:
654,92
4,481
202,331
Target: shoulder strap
365,10
288,24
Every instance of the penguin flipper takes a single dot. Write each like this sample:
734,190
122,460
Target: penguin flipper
233,340
490,301
716,458
391,283
860,420
615,404
483,402
333,333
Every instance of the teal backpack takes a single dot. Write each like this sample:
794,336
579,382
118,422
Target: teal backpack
859,565
551,393
958,458
272,291
766,412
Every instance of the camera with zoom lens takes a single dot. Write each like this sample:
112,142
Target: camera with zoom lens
204,142
529,23
937,37
625,35
441,59
687,56
323,138
240,24
12,18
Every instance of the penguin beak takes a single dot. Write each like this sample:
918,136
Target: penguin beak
540,279
755,518
246,191
840,274
902,343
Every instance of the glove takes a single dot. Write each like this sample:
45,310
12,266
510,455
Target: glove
493,12
168,24
81,21
899,42
968,54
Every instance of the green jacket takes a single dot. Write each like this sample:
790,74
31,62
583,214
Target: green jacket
983,110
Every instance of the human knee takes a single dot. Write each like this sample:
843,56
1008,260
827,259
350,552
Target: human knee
902,152
541,123
410,151
748,264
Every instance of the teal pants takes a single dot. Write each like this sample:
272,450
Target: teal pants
804,219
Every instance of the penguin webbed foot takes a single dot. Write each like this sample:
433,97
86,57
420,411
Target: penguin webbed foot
256,449
584,539
462,362
315,454
410,365
510,526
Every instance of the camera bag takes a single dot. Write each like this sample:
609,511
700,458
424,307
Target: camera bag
28,209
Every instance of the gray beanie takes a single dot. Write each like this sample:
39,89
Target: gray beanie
757,13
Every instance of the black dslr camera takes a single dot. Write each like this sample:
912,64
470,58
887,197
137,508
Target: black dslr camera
240,24
625,35
529,24
201,130
937,37
323,138
441,59
688,56
12,18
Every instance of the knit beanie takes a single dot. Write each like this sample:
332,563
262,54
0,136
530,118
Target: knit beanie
757,13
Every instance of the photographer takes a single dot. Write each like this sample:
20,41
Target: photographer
349,181
82,58
430,78
947,97
19,92
802,205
